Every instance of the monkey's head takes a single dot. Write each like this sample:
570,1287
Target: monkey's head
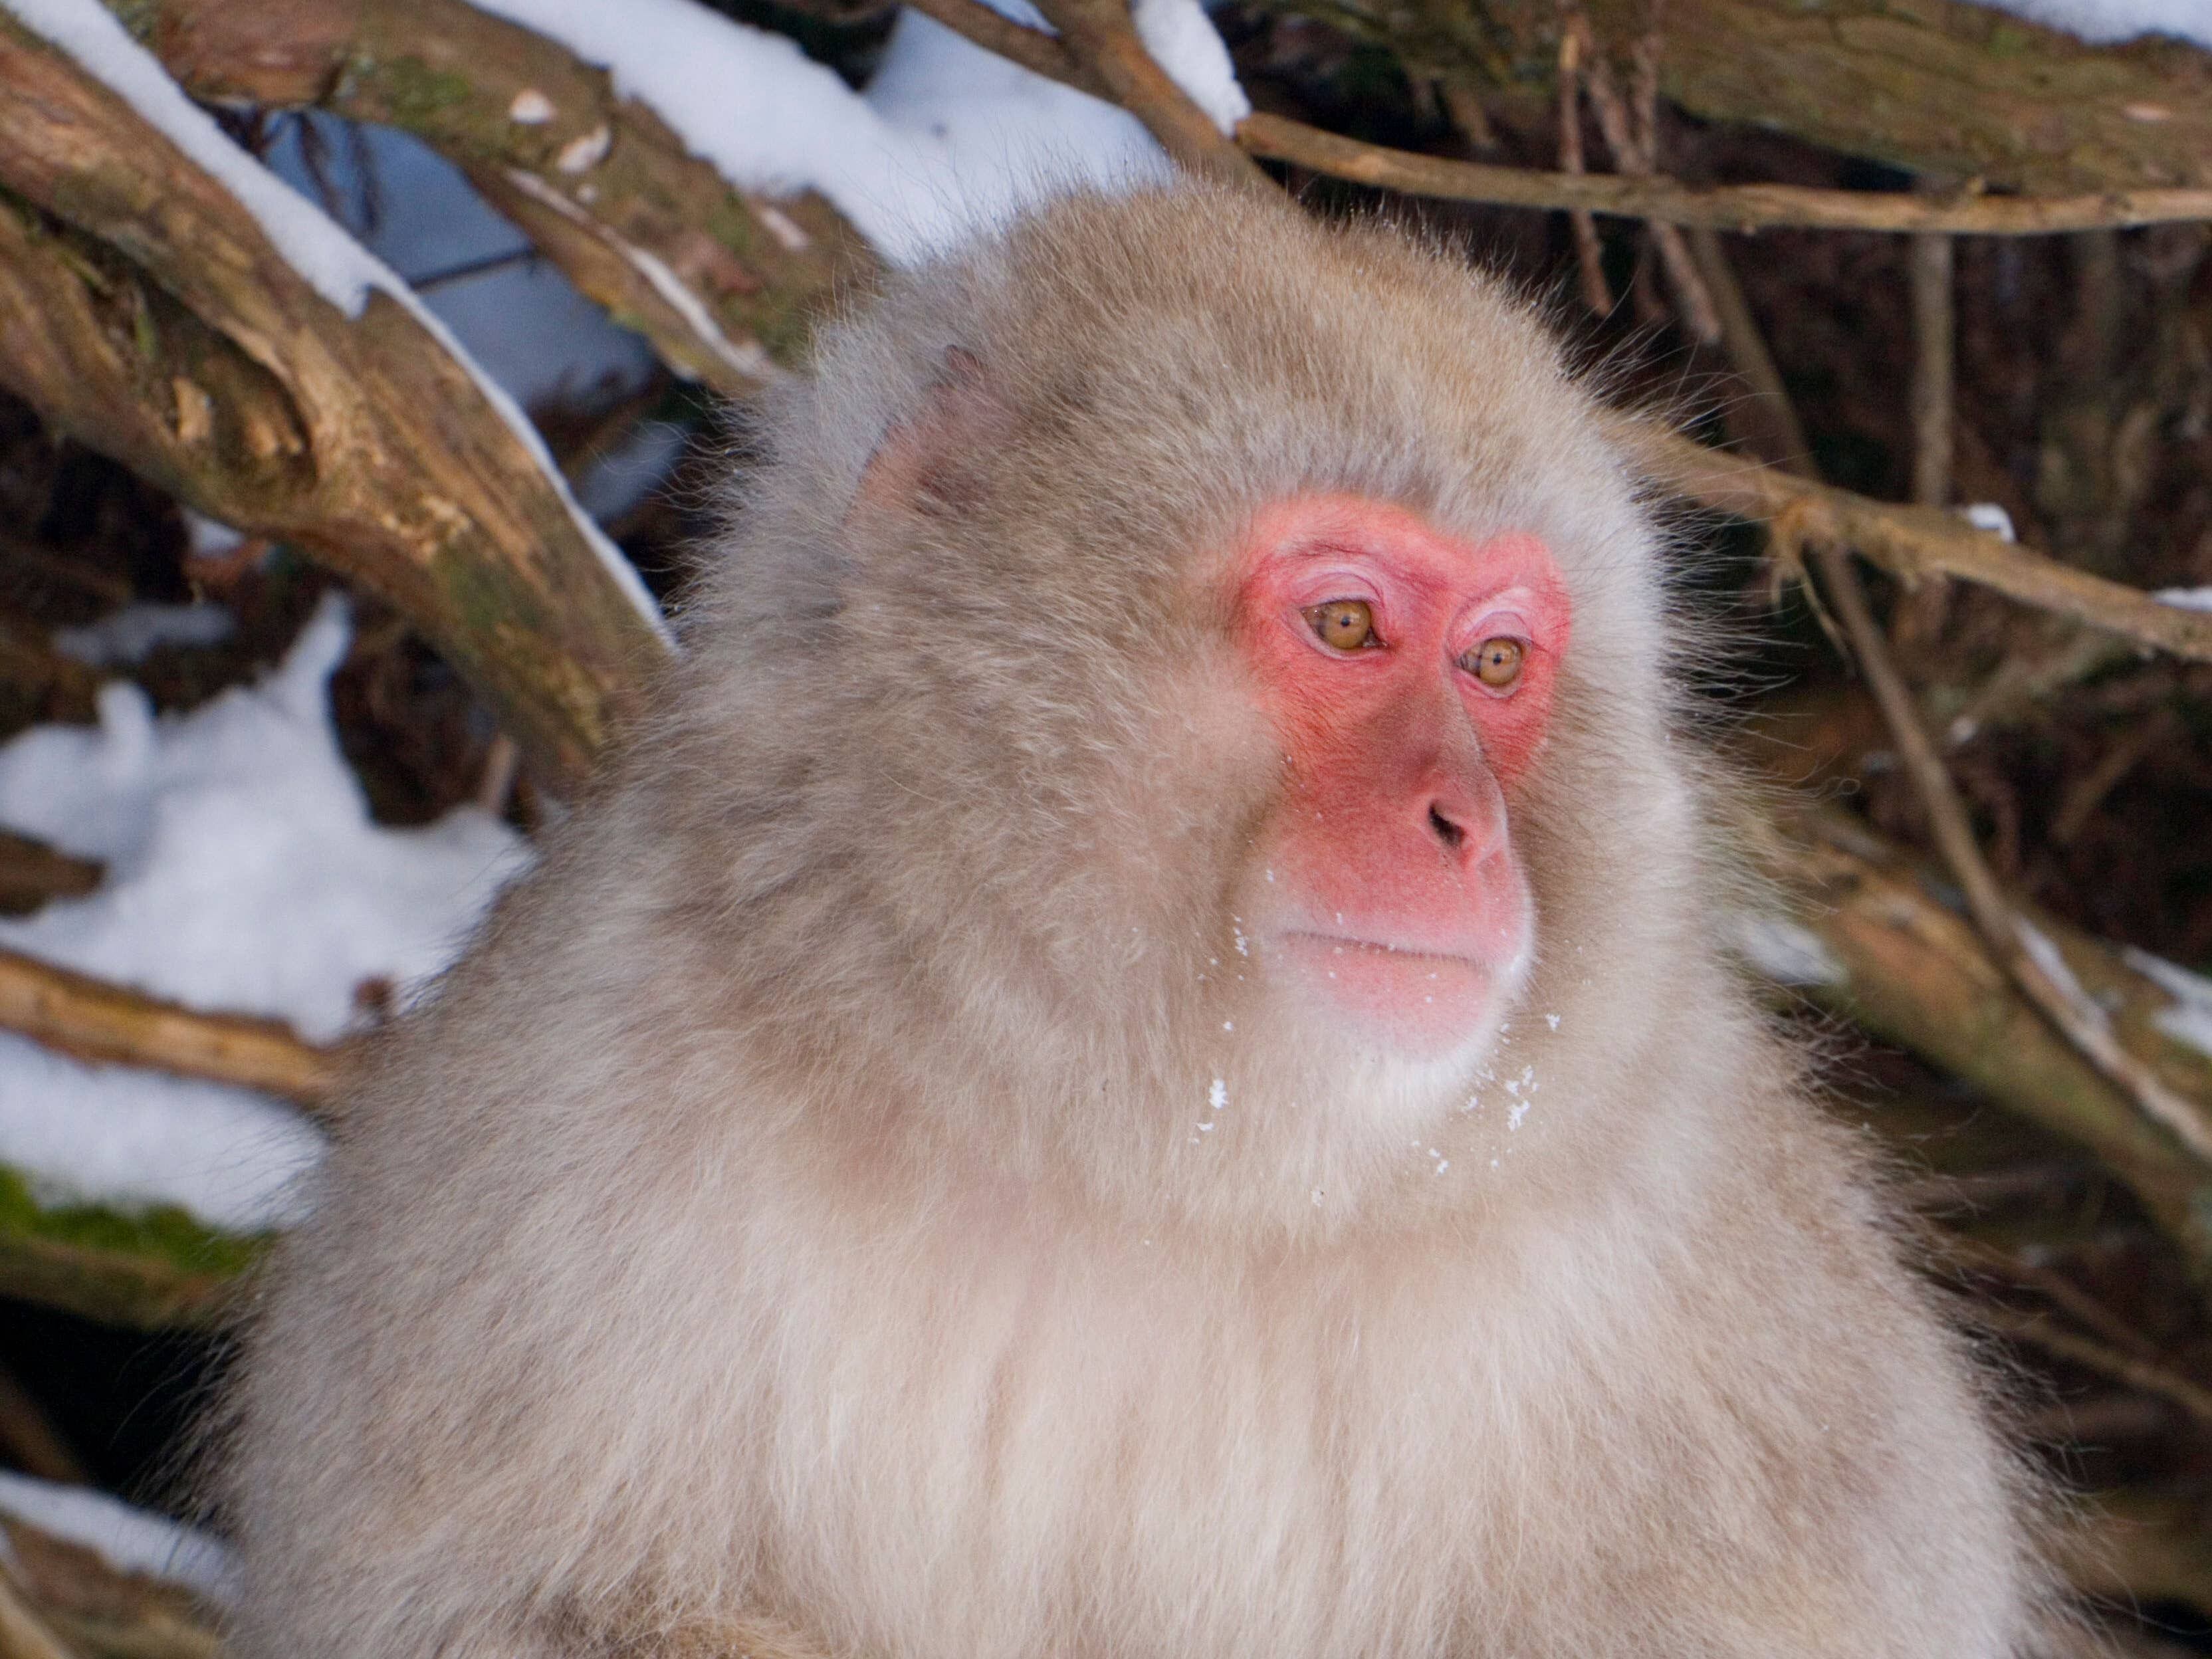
1193,676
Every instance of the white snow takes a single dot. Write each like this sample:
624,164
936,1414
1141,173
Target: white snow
2044,951
2186,599
132,1139
244,875
1987,516
947,139
523,323
131,634
326,256
2189,1018
1785,951
1183,41
2120,19
128,1539
210,538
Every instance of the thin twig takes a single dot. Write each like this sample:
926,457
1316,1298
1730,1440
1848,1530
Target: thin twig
1725,207
1974,1255
1634,155
1918,618
2154,732
1934,335
1467,115
2032,962
92,1020
1908,542
2093,1355
1589,252
1767,419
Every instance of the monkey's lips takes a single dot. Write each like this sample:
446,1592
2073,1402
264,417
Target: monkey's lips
1419,1002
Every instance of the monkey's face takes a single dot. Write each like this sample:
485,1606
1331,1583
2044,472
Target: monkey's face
1407,675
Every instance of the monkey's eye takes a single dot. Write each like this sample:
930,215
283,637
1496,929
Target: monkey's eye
1496,662
1343,625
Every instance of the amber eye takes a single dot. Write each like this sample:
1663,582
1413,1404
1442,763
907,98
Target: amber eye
1496,662
1343,625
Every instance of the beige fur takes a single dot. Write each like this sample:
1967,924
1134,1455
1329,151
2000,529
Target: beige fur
793,1207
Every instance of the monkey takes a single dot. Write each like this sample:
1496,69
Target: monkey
1135,1058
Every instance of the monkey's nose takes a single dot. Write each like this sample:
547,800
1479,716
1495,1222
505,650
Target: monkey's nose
1446,829
1463,817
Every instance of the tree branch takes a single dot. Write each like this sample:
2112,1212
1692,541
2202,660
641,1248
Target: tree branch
1723,207
1897,961
143,310
106,1024
1908,542
1102,36
724,282
1034,50
2034,965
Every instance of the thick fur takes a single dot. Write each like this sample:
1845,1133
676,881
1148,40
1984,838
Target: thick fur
796,1206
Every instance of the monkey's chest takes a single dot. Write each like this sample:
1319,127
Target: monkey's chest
1068,1456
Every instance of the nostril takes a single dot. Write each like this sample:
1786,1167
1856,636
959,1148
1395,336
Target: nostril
1449,833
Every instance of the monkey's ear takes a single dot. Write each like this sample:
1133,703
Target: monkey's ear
931,463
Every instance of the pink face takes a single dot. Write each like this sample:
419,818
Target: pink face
1409,677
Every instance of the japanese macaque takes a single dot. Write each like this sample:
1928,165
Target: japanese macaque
1134,1062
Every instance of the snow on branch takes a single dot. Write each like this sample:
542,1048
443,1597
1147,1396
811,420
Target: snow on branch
170,302
721,280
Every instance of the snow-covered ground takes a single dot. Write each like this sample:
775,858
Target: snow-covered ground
244,875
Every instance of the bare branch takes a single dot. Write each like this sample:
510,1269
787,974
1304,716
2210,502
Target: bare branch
1589,252
92,1020
1723,207
1035,51
1634,151
1929,85
2034,965
1908,542
1918,619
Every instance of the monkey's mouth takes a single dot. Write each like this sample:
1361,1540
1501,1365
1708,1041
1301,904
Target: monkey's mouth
1416,1001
